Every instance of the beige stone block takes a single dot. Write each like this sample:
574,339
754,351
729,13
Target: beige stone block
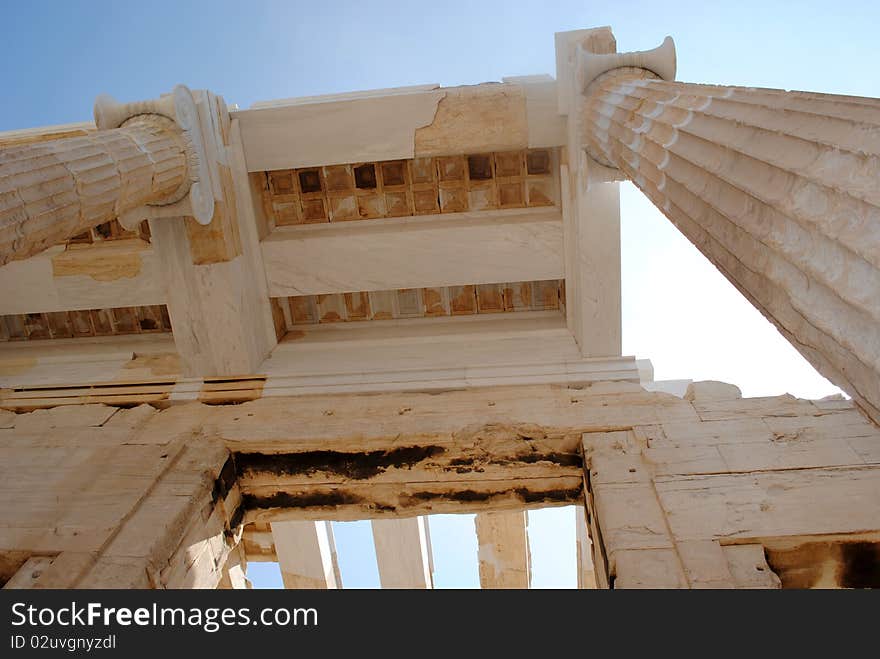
155,528
615,441
69,438
201,456
838,425
7,419
731,431
705,564
203,573
624,468
614,457
772,503
181,561
868,448
748,567
718,410
788,455
648,568
55,539
711,390
115,572
29,574
630,517
131,418
66,570
65,416
834,403
689,460
175,423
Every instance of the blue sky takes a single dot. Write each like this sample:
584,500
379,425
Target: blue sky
678,311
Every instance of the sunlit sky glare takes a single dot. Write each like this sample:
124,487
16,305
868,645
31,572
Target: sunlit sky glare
678,310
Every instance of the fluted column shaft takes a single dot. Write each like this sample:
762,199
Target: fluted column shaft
50,191
780,190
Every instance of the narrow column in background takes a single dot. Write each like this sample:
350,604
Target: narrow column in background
403,552
505,561
306,554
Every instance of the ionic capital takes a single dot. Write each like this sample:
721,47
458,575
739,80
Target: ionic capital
660,61
195,197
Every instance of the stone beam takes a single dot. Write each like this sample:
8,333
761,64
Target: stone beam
778,189
433,250
477,450
402,123
679,492
114,273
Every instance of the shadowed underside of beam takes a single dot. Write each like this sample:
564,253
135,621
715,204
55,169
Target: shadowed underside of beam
778,189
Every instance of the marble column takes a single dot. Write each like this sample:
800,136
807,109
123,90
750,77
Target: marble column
53,190
780,190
